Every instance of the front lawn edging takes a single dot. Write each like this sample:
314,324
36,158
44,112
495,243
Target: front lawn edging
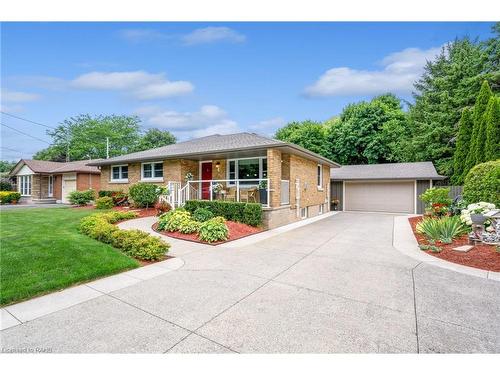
135,243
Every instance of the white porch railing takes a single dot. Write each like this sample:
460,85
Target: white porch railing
239,190
285,192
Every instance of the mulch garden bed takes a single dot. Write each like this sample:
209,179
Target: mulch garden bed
480,256
236,231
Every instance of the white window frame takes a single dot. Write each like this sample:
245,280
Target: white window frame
153,178
233,182
319,176
24,185
50,187
118,180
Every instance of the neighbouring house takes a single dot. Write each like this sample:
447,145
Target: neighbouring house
289,181
41,181
392,187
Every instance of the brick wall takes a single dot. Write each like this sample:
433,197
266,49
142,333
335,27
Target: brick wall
274,175
85,181
173,170
306,171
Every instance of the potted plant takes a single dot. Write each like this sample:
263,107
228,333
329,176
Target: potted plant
335,203
263,192
189,177
217,188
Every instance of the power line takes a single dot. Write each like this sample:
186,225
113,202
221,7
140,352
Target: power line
24,119
11,149
23,133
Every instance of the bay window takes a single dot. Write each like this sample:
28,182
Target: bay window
119,173
152,171
24,183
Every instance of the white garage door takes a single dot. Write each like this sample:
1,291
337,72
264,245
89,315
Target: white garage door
380,196
68,185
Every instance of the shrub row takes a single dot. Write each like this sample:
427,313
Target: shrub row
134,243
248,213
7,197
104,203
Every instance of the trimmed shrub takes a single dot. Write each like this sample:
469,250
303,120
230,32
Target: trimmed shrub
81,198
173,220
482,183
213,230
7,197
143,194
104,203
189,226
252,214
139,244
437,201
202,214
134,243
233,211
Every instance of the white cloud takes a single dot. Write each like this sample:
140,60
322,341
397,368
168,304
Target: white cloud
9,96
209,119
213,34
142,35
399,71
269,126
141,84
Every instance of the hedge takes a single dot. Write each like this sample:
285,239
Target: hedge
482,183
81,198
248,213
143,194
135,243
7,197
104,203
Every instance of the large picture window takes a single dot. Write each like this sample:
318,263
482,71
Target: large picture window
251,169
119,173
152,171
24,183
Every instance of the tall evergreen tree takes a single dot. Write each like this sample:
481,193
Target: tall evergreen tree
492,119
449,83
476,153
462,146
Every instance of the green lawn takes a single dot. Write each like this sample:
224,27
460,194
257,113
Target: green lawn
41,251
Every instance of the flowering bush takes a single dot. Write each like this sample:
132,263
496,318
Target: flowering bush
475,208
437,201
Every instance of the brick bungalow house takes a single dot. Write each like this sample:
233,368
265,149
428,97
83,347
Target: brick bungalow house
290,182
41,181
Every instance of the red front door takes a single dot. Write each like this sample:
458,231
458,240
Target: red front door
206,174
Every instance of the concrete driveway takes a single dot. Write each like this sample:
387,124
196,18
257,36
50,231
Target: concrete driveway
336,285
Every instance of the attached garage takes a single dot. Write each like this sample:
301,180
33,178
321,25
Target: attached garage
392,187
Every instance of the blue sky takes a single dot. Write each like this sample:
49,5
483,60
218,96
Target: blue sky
202,78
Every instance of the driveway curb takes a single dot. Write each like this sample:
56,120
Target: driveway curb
404,241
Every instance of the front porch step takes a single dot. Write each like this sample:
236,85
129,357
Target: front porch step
44,201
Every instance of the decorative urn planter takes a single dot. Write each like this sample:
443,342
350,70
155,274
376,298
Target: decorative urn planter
477,219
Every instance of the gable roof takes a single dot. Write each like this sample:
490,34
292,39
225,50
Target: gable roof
54,167
209,145
419,170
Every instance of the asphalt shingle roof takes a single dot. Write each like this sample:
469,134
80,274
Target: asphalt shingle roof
44,166
205,145
418,170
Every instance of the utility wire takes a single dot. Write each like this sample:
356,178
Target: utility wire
11,149
24,119
23,133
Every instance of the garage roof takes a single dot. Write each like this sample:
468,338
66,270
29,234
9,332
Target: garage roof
390,171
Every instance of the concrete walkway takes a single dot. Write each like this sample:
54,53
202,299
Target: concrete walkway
336,285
